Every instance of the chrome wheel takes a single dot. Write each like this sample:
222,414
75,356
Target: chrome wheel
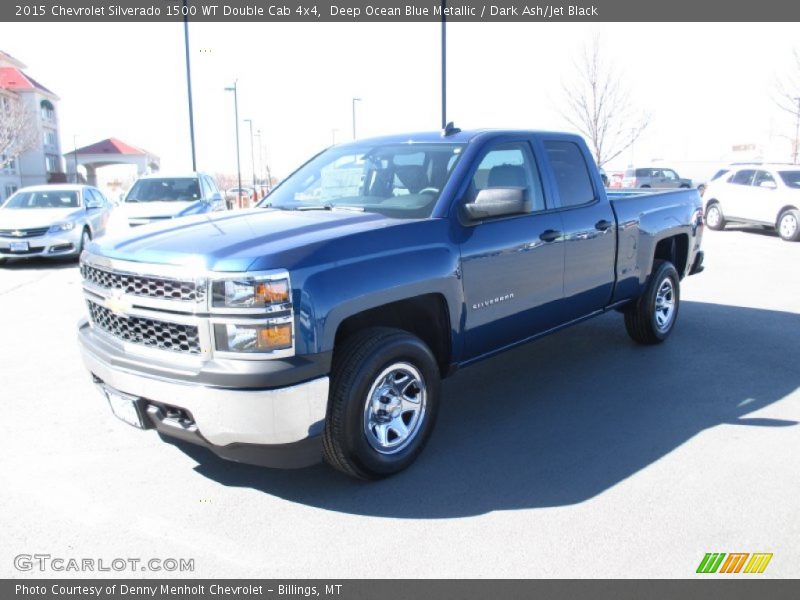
665,305
788,226
395,408
713,217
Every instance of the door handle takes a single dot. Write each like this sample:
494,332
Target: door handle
603,224
549,235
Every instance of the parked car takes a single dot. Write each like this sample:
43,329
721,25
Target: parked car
233,194
654,177
322,322
615,181
158,197
51,220
763,195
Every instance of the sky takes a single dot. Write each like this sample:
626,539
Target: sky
706,86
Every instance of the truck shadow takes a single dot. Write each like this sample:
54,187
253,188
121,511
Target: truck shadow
557,422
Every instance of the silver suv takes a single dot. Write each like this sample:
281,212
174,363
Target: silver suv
654,177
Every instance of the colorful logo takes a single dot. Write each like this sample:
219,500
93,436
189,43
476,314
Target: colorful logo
719,562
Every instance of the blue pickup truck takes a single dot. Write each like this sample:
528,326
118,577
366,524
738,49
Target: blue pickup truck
321,323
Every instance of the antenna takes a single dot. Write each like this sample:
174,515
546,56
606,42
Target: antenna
450,129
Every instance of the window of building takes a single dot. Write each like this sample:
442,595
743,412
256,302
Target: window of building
50,137
48,110
10,189
53,163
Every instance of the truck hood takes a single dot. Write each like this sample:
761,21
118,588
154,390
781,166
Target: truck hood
33,218
256,239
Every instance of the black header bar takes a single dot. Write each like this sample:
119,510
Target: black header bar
387,11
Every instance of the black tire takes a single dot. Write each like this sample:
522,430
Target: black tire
645,187
3,261
358,367
642,321
717,223
789,225
86,236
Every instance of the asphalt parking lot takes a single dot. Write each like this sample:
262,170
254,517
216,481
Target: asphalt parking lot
581,455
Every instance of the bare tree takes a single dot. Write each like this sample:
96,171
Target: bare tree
18,132
787,98
599,107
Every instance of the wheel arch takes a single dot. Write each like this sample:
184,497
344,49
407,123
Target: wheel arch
426,316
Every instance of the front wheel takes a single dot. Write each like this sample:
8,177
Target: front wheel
86,237
652,317
789,226
714,218
384,399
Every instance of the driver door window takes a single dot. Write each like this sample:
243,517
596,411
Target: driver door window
509,165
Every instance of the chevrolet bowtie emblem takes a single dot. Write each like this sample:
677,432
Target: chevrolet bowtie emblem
17,233
117,304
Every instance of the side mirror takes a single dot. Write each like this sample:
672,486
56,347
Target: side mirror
770,185
216,197
93,204
498,202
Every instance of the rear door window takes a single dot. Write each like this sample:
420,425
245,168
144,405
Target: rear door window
571,173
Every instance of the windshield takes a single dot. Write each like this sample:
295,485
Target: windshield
791,178
48,199
396,180
184,189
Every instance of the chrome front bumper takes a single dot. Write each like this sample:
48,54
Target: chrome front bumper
228,416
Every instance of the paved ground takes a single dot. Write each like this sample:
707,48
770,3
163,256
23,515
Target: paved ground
580,455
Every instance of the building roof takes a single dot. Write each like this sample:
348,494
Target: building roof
6,60
109,146
12,78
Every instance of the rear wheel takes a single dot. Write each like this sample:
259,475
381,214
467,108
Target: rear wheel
652,317
714,218
789,226
384,399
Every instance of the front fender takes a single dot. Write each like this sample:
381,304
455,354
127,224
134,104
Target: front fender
332,292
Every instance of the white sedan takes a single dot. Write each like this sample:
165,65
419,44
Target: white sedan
51,220
765,195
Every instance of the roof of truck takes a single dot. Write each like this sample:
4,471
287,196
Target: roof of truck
460,137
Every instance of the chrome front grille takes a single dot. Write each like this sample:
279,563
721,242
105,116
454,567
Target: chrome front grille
147,332
140,285
21,234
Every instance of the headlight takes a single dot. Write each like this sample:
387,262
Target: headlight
59,227
249,293
239,337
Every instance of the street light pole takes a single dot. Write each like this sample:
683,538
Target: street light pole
235,89
75,155
354,115
260,156
444,66
797,131
252,153
189,81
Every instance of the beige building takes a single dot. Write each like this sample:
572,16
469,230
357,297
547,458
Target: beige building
43,162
